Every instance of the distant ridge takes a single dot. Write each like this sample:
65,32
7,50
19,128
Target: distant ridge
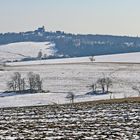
76,45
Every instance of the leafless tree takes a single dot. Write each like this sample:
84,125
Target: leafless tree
38,81
93,87
31,81
18,80
136,88
23,84
16,83
39,56
102,83
71,97
108,83
105,83
11,85
34,82
91,58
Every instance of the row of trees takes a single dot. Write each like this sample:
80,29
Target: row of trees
32,83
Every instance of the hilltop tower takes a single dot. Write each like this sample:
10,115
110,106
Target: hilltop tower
40,30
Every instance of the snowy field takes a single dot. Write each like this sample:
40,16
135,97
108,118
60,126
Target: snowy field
117,121
117,58
18,51
68,75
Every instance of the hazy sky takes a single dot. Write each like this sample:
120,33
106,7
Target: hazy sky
118,17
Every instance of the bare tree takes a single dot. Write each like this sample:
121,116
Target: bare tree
105,83
91,58
38,81
108,83
136,88
16,82
39,56
35,82
11,86
93,87
102,82
23,84
71,97
31,81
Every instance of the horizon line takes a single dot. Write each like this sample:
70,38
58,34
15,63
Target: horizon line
74,33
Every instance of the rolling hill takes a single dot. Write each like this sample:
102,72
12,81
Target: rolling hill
25,50
73,45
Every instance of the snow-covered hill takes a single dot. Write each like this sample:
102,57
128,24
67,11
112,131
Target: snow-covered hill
120,58
61,76
18,51
125,58
21,50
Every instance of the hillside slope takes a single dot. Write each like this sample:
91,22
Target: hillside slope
117,58
76,45
18,51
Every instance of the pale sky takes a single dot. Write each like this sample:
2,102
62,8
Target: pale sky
116,17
